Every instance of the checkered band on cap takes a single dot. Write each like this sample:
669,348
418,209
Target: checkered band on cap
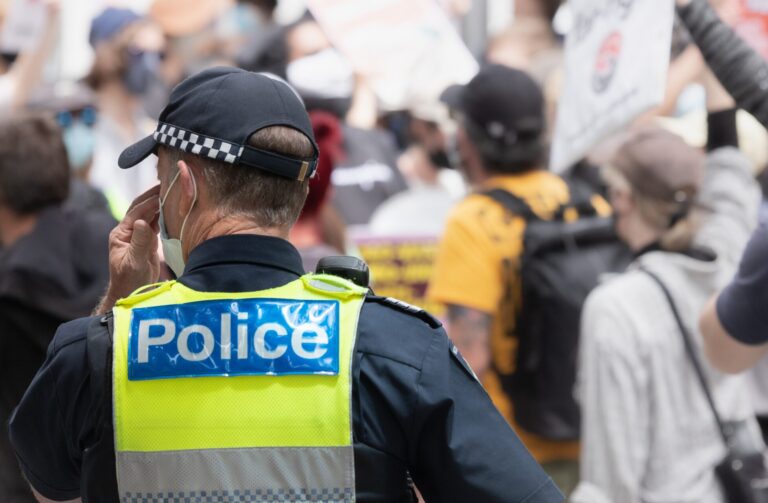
204,146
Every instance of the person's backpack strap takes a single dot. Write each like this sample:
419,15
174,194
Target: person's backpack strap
512,203
580,199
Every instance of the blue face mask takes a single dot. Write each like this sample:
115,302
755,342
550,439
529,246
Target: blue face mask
141,71
79,141
241,20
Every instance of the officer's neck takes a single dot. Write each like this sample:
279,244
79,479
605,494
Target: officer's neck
201,231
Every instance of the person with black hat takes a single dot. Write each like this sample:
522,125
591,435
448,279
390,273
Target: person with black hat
500,141
245,379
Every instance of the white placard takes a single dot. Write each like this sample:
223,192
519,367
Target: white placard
23,26
408,49
616,61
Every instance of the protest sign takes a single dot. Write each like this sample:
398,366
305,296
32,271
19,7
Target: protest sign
23,25
616,60
401,267
752,24
408,49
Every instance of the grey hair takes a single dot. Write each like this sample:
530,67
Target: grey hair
270,201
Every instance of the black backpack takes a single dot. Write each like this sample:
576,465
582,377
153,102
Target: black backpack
560,264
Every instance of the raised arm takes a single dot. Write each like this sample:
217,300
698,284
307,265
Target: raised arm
25,74
742,71
730,195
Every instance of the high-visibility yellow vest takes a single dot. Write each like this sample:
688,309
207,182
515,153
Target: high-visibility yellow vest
230,397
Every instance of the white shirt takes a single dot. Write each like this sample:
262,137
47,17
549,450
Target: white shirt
418,211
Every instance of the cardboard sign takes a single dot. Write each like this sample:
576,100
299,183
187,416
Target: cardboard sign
23,26
616,60
408,49
401,267
752,25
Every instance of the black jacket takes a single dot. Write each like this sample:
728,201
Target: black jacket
52,275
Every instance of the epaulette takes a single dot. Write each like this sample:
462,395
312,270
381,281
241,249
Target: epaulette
406,308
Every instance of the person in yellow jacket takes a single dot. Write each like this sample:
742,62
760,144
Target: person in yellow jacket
246,379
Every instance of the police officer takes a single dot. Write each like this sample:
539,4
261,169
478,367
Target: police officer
246,380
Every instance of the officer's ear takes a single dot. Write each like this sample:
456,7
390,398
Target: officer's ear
190,188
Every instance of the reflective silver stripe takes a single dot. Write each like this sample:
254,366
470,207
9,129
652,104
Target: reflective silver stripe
267,474
325,286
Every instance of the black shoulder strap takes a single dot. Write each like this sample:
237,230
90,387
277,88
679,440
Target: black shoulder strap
689,349
99,352
406,308
511,202
580,199
580,192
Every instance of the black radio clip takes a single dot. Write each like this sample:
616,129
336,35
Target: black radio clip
347,267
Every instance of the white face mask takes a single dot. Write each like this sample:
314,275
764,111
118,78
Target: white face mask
325,74
172,250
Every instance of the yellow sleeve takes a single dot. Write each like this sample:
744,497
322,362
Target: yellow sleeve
467,270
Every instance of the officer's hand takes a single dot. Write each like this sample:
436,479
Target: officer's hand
133,258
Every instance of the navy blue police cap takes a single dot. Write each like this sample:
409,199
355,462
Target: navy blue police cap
214,112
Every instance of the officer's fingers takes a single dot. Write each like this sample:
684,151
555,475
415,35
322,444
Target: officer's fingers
125,229
153,191
143,240
120,235
154,222
123,232
144,206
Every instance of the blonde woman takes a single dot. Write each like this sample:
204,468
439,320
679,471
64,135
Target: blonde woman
648,433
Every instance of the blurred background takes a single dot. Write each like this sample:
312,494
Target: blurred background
371,72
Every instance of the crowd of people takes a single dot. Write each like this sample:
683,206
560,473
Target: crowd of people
613,313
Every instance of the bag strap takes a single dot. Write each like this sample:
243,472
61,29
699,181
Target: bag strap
580,199
512,203
689,349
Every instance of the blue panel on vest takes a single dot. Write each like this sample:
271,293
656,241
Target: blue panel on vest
234,337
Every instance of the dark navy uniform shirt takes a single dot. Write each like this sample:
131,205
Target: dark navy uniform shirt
417,409
741,305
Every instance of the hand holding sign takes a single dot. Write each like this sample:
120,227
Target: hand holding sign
408,49
25,24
